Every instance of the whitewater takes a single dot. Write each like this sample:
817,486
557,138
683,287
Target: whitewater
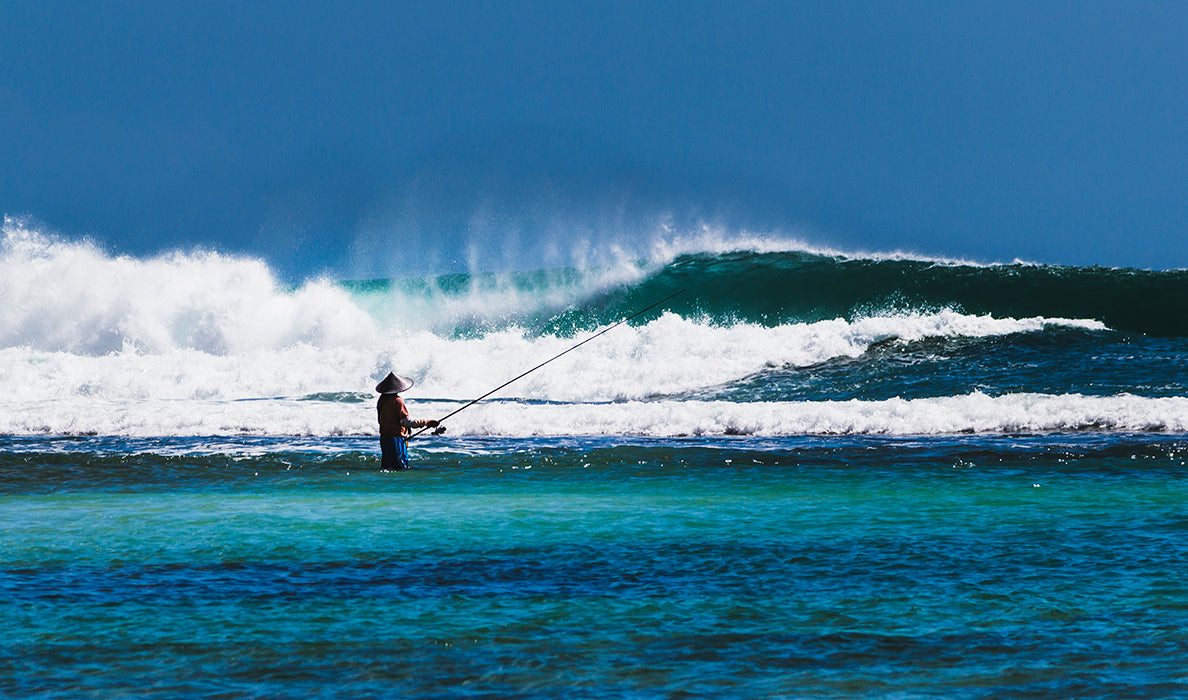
200,343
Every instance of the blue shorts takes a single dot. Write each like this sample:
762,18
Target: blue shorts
394,453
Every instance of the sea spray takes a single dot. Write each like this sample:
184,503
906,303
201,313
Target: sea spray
73,297
765,342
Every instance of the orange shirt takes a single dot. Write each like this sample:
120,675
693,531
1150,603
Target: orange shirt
392,414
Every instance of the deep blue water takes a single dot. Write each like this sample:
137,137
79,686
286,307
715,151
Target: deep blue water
978,566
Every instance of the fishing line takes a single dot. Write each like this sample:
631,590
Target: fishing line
554,357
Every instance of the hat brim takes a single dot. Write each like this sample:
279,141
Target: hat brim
393,384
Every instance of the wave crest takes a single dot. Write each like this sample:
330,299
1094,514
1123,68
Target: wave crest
71,296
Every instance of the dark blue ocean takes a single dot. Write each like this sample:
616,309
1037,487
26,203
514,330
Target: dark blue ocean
808,474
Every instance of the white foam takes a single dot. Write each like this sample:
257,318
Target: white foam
187,392
673,354
71,296
201,343
670,355
973,413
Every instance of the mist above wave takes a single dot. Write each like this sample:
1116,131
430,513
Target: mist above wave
72,296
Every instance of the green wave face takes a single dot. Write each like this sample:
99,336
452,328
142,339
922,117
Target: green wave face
791,287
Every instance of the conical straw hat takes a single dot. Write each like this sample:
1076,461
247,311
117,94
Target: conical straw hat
393,384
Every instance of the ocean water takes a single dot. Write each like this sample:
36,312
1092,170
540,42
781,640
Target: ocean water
810,474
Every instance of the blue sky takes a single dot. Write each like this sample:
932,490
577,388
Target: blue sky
315,134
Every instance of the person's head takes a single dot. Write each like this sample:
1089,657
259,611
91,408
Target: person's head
393,384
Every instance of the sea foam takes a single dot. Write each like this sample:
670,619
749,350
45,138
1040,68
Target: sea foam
197,343
972,413
71,296
670,355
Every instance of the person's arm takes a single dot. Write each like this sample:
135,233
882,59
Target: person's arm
408,422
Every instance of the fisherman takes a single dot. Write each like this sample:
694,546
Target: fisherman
394,421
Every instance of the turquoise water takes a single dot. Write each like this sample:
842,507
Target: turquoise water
1028,566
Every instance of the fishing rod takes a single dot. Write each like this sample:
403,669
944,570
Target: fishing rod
554,357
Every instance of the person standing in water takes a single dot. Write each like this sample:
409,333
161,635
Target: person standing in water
394,421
